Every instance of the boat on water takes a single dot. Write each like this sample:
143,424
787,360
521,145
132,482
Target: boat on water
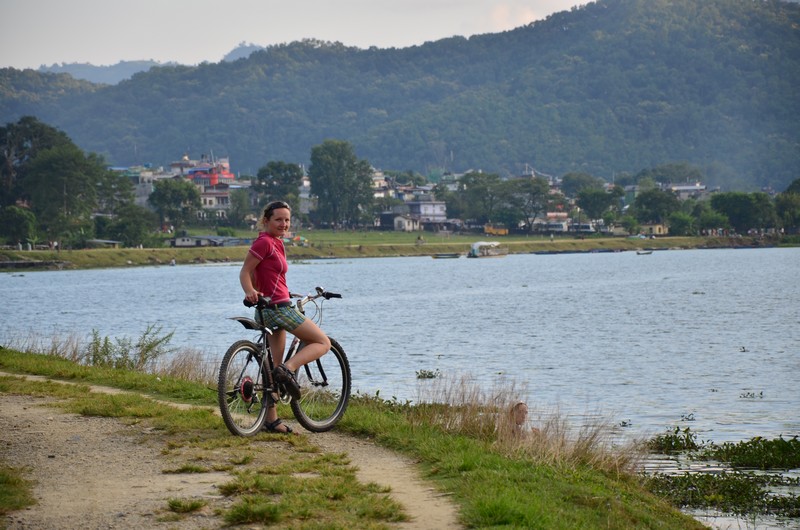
643,252
486,249
446,255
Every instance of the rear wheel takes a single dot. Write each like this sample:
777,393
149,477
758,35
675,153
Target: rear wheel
324,390
241,389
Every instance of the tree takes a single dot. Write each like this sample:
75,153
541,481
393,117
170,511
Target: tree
681,224
176,200
764,208
573,183
341,182
19,144
17,224
279,181
133,226
239,207
114,191
655,206
630,224
481,195
62,184
595,201
531,195
451,199
787,207
745,211
706,218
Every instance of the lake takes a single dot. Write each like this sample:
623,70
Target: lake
707,339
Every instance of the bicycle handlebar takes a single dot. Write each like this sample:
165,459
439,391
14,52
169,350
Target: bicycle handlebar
321,293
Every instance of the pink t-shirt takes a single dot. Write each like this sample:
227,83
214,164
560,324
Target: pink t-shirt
270,273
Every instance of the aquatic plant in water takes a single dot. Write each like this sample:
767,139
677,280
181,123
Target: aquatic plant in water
735,492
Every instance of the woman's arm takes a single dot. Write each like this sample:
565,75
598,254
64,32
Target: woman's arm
246,278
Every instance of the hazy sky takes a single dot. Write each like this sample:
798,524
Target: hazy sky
104,32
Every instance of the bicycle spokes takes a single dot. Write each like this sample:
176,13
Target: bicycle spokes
320,379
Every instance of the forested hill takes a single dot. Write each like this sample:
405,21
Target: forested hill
612,87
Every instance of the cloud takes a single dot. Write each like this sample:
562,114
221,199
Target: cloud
509,15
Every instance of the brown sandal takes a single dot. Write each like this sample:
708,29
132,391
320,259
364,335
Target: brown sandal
273,427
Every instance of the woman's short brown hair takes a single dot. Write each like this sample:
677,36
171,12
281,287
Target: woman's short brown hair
268,209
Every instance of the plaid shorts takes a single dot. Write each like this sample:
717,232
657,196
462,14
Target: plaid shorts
288,318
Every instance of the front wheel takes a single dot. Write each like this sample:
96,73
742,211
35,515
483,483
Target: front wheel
324,390
242,389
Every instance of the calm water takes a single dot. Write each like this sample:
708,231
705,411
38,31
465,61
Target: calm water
708,339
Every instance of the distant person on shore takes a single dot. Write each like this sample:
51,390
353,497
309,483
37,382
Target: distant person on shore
518,421
264,274
518,416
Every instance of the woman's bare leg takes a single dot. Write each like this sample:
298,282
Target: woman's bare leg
316,342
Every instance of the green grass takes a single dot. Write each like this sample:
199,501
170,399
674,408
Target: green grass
496,490
278,480
58,367
15,491
355,244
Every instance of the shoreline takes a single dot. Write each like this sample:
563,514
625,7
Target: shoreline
37,260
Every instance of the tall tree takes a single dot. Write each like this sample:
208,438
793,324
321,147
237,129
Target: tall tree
341,182
573,183
175,200
20,142
239,207
132,225
745,211
279,181
787,207
114,191
595,201
62,184
655,206
531,195
481,194
17,224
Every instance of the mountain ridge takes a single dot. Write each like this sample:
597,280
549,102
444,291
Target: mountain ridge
612,87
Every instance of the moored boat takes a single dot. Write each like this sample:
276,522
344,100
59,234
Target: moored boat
486,249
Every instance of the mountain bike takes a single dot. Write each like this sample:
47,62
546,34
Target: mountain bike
246,388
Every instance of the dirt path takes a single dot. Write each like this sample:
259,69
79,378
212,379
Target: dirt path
99,473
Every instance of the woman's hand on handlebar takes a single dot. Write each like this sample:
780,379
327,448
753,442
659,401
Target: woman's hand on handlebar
252,296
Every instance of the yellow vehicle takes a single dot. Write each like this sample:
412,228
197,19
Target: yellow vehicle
492,230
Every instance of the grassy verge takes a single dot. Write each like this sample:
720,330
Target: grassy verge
15,491
493,477
330,244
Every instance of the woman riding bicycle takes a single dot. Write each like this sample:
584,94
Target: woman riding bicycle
264,274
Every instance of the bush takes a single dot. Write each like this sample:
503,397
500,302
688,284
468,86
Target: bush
123,354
